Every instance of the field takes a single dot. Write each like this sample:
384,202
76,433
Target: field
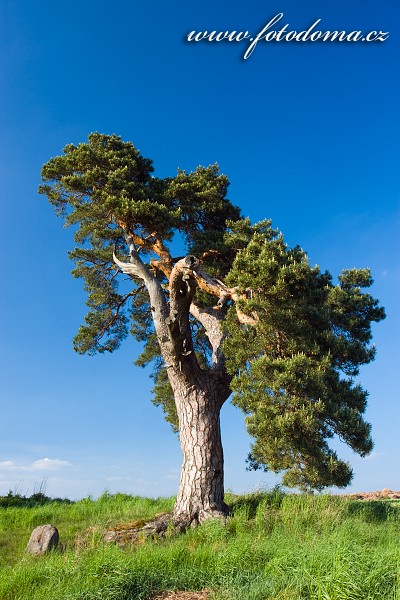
275,546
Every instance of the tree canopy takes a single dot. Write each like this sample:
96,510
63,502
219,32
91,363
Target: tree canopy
292,340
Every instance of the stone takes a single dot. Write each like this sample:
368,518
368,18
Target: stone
43,539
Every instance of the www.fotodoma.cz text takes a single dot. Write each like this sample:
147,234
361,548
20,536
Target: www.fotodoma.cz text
268,34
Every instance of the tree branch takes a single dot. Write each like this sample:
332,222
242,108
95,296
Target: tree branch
155,244
210,319
136,268
182,286
114,316
223,293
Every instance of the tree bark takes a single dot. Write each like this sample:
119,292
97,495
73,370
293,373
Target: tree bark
199,393
201,489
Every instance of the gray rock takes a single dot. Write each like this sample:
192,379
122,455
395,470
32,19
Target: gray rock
43,539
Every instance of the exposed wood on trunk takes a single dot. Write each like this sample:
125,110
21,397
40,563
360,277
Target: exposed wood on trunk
199,393
199,396
211,319
182,287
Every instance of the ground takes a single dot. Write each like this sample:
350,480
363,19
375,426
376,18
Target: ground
205,594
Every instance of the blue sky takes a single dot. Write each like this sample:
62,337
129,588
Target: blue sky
308,134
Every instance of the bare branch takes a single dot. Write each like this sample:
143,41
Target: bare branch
128,268
218,288
135,267
212,285
159,307
210,319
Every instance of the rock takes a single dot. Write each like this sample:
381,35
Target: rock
42,540
379,495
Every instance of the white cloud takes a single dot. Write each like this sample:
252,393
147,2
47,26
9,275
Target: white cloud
43,464
8,465
50,464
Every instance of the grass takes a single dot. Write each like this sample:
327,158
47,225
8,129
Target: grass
275,546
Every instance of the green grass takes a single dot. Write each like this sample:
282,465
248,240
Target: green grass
275,546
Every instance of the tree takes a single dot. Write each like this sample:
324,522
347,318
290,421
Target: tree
238,312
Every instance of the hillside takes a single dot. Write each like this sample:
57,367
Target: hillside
274,546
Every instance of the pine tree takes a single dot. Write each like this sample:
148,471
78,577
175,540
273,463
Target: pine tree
239,313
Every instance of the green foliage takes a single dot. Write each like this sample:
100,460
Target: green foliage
274,546
105,188
293,368
200,198
14,500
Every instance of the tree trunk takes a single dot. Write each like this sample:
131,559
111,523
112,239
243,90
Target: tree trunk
199,393
201,489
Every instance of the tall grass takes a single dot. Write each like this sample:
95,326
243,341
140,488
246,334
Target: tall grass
274,546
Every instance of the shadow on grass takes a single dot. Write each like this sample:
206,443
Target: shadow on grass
249,503
372,511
